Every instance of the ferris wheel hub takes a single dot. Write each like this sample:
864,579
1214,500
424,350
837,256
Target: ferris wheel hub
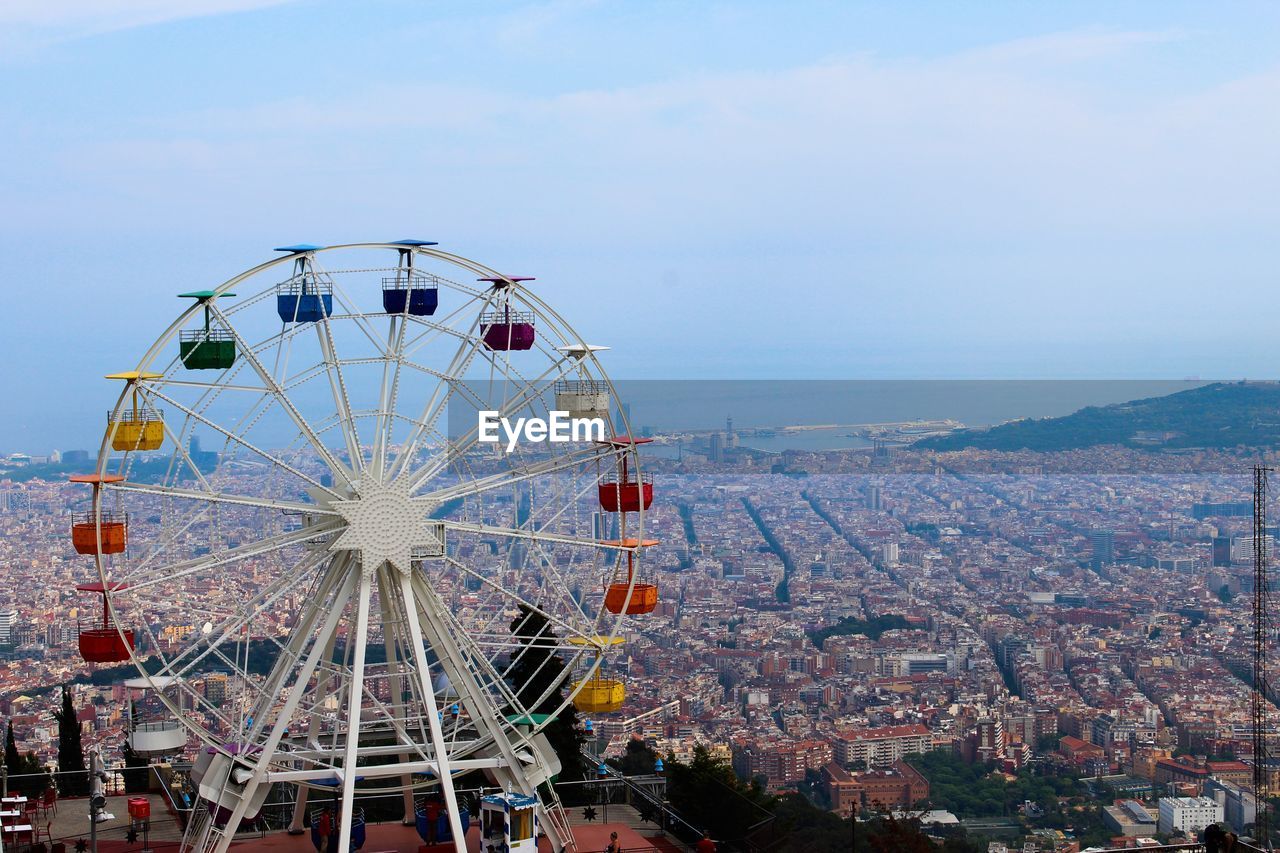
386,523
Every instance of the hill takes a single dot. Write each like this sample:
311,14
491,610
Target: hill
1220,414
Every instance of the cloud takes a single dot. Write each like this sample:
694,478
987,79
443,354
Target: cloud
29,23
528,26
1072,46
1039,208
959,145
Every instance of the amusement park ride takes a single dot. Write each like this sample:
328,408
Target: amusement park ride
333,604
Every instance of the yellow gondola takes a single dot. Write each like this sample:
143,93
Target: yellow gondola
140,427
598,695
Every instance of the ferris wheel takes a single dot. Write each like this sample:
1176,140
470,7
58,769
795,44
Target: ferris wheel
306,545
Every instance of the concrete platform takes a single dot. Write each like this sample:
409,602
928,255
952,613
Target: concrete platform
71,825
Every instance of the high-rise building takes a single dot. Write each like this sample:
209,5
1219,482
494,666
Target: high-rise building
874,501
205,460
1103,543
1222,550
215,688
59,634
8,621
1228,509
989,739
518,555
717,448
889,553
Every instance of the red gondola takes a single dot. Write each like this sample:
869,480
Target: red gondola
625,493
106,644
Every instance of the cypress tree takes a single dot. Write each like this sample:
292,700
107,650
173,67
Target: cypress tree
536,670
73,781
12,759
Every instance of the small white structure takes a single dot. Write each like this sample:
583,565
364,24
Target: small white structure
508,824
1188,815
155,735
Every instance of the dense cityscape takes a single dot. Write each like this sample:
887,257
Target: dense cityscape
861,626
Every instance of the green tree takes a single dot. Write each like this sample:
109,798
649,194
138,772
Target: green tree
73,781
12,759
136,773
25,773
535,670
638,760
707,794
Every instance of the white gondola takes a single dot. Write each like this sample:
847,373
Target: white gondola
160,734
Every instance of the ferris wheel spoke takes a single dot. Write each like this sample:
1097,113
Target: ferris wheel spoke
251,609
170,381
437,328
432,618
462,358
515,599
288,407
415,627
529,393
540,536
220,497
330,585
390,390
298,688
519,474
341,397
471,645
186,568
240,440
181,451
387,394
358,317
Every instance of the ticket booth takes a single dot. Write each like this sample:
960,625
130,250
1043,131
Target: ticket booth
508,824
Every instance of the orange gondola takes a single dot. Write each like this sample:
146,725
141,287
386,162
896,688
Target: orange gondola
99,531
634,599
107,533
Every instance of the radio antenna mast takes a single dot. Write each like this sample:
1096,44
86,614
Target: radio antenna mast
1261,688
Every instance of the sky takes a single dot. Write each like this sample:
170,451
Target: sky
716,190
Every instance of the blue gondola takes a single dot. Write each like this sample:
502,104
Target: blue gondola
417,295
304,303
325,829
409,291
303,299
425,815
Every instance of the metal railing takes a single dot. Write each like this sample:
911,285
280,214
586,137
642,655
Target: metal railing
633,793
1185,847
203,335
418,281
